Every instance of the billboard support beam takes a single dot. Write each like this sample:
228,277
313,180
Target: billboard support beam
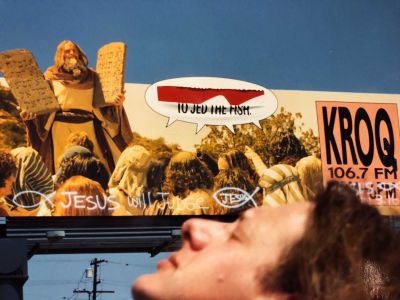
3,227
175,235
33,250
13,268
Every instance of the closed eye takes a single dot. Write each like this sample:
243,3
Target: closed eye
235,237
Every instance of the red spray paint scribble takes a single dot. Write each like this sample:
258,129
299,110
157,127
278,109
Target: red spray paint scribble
199,95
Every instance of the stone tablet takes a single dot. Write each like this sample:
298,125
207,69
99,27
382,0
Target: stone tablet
110,69
26,82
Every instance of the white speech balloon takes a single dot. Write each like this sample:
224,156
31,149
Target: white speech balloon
253,110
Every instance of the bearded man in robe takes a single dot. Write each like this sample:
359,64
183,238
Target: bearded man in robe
73,83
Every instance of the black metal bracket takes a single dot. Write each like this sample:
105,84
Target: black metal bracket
175,236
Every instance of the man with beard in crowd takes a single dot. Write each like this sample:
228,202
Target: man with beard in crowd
73,83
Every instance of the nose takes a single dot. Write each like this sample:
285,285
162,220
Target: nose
198,233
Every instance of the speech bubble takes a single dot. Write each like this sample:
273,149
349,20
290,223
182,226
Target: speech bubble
211,101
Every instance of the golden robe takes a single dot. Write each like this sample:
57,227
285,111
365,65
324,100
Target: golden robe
107,127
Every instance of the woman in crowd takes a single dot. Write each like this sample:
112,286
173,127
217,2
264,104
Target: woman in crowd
79,138
80,196
155,178
32,178
286,149
280,183
310,173
70,152
188,182
237,159
84,164
229,198
78,142
128,182
8,171
211,163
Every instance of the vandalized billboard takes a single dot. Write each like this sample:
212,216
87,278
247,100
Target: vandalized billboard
181,146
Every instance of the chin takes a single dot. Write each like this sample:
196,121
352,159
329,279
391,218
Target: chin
144,287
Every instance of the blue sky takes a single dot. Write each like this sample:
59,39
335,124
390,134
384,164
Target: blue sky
53,277
289,44
340,45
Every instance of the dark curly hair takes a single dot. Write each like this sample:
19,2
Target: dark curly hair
156,177
287,149
8,167
80,138
236,178
237,159
185,173
209,160
84,164
329,262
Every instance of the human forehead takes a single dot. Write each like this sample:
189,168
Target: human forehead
70,46
258,213
286,221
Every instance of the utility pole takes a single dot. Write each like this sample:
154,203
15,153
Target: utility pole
95,263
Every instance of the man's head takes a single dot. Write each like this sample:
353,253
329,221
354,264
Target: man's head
84,164
8,169
185,173
70,59
298,251
79,138
81,196
344,236
224,261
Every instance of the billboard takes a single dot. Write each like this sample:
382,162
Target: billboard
215,146
195,113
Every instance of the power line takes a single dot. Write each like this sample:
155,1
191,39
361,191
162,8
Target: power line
130,264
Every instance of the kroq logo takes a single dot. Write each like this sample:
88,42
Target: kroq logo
211,101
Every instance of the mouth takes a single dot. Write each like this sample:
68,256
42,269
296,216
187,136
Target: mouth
171,262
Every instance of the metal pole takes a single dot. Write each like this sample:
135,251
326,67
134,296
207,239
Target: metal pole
13,268
94,290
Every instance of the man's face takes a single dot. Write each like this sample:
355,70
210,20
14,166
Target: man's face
73,63
7,189
70,51
224,261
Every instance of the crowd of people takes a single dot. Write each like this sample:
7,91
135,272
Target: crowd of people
146,184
